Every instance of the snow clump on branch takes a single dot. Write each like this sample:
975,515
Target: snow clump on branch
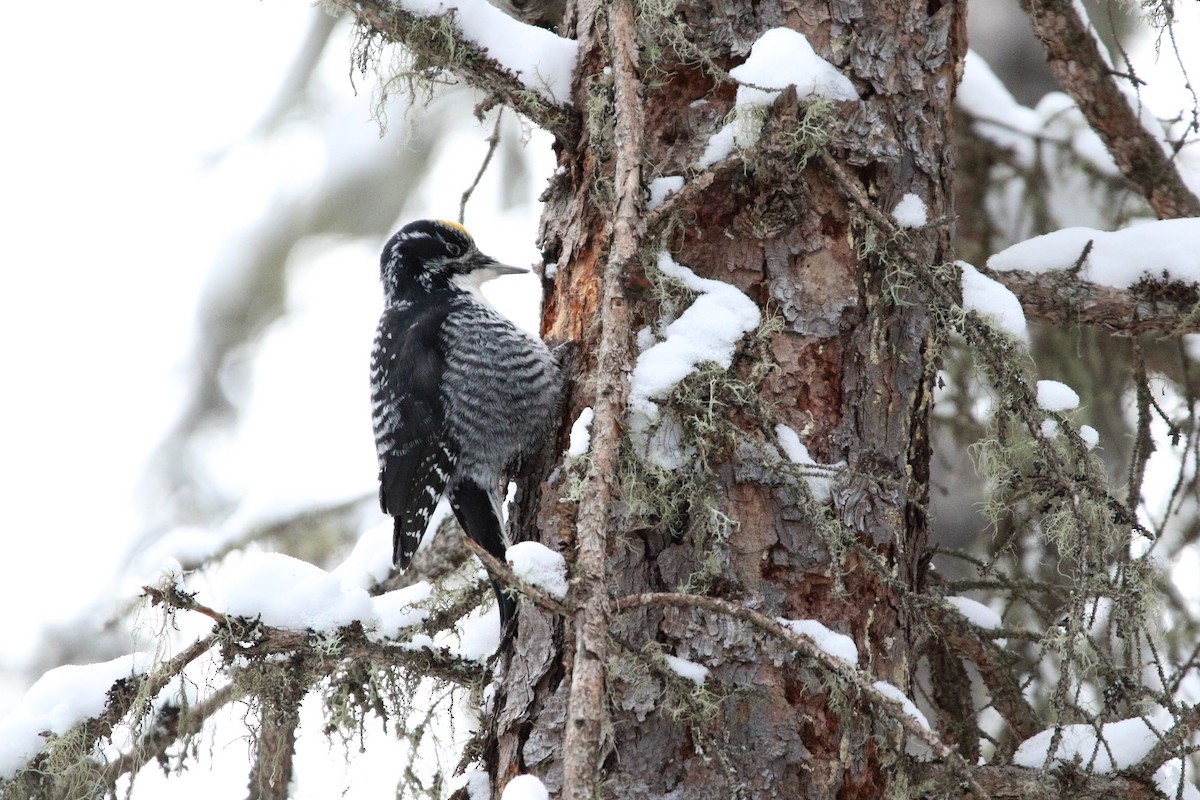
707,331
60,700
525,787
1120,745
541,60
994,302
540,566
780,58
910,212
688,670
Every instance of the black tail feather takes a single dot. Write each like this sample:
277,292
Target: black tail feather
478,511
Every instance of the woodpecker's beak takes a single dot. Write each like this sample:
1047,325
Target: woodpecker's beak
491,268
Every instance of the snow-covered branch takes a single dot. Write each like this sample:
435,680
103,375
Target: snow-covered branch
507,575
1078,64
1063,298
525,67
1138,279
252,639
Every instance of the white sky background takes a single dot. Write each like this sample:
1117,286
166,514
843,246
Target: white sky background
109,229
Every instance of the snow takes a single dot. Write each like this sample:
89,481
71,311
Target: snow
370,562
1118,258
185,544
1170,781
782,57
479,785
1056,396
910,708
793,448
719,146
976,612
525,787
581,434
60,700
542,61
1062,121
1191,345
993,301
707,331
984,96
540,566
478,635
1090,436
910,212
289,593
838,645
688,670
399,609
1121,744
821,486
662,188
1004,122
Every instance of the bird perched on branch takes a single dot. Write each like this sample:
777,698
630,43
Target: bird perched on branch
458,392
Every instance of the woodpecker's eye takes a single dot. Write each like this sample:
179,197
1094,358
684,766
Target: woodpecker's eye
454,249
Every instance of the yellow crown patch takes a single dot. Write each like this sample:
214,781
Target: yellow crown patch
455,226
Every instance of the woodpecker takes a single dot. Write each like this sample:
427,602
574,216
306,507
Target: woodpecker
458,392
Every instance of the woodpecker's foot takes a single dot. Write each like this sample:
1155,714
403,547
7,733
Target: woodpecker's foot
565,354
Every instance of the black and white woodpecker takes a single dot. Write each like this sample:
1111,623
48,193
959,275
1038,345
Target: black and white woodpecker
458,392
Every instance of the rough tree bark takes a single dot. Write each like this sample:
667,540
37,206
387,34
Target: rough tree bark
854,381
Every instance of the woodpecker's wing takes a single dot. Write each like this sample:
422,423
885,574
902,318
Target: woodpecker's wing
415,457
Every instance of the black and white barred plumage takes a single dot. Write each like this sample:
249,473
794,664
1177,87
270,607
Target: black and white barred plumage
458,392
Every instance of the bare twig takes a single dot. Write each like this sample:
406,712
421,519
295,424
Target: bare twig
174,598
691,193
492,141
504,573
996,668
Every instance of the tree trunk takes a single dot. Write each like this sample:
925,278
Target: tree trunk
845,357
